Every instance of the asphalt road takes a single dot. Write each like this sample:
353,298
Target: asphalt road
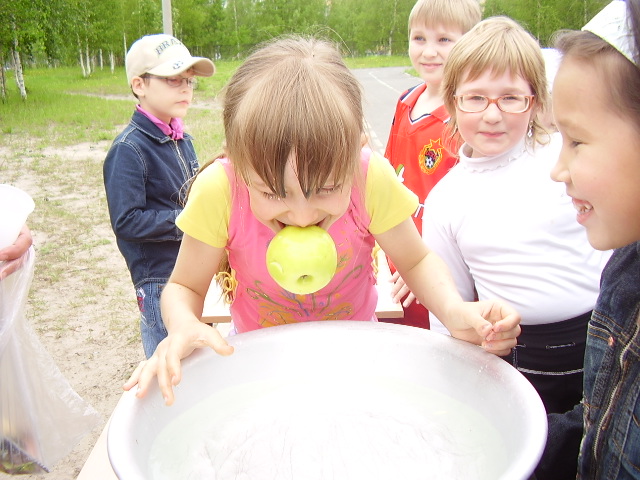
382,88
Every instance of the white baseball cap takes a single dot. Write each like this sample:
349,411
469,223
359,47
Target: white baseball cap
164,55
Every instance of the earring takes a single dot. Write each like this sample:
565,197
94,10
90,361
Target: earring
530,131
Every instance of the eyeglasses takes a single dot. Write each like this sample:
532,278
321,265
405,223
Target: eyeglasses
175,82
507,103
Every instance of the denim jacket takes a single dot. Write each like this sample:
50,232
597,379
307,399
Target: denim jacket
608,419
611,444
146,175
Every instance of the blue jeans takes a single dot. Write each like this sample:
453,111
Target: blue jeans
152,327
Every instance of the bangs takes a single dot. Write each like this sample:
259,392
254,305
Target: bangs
448,13
497,46
504,55
302,109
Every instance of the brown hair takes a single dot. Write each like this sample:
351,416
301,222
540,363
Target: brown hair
497,44
294,95
620,75
463,14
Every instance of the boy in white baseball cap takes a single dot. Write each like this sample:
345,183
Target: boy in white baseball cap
147,168
164,56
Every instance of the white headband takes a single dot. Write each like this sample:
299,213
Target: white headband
614,27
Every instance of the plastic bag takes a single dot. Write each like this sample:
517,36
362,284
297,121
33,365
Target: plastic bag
41,417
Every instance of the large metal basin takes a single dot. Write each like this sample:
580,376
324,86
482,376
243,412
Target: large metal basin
366,393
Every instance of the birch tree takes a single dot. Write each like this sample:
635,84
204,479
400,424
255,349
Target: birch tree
17,63
19,29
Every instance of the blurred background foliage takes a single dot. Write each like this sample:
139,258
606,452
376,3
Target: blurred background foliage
68,32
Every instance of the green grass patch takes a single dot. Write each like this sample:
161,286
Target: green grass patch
65,108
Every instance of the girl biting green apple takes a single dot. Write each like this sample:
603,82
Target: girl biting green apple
294,156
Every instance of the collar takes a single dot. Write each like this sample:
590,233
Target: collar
482,164
175,128
411,97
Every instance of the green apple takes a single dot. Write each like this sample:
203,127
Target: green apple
302,260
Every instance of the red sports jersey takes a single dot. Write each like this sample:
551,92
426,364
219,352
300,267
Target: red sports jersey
416,149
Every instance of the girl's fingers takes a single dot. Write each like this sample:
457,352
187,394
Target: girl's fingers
146,376
165,364
499,347
409,300
133,379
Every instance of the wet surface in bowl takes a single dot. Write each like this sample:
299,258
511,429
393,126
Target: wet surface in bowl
369,427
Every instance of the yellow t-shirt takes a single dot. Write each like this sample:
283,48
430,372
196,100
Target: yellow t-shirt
207,212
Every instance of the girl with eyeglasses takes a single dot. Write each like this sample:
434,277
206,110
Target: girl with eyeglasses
503,227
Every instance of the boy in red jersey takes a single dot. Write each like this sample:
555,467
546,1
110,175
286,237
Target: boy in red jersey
418,148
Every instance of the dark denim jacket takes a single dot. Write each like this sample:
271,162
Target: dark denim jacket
146,175
611,445
610,412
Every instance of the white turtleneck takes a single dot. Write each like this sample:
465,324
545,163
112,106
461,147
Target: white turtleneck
506,230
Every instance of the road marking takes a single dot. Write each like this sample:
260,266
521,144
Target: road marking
385,84
374,140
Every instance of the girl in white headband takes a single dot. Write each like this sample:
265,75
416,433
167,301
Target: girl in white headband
596,102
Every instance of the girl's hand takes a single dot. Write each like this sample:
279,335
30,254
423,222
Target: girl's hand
165,362
10,266
492,324
14,256
399,290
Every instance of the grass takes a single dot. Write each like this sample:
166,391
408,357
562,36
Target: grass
66,108
63,108
54,111
378,61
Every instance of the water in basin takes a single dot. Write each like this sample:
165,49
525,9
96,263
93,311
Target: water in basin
370,427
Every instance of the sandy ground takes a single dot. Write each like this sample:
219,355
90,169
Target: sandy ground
82,303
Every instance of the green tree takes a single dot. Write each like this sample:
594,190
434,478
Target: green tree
237,27
544,17
91,33
277,17
21,37
196,23
374,26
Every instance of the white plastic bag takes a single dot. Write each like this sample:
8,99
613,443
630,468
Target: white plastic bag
41,417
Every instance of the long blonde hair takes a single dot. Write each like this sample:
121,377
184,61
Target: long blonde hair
294,95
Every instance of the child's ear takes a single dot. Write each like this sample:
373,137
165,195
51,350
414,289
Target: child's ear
137,86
